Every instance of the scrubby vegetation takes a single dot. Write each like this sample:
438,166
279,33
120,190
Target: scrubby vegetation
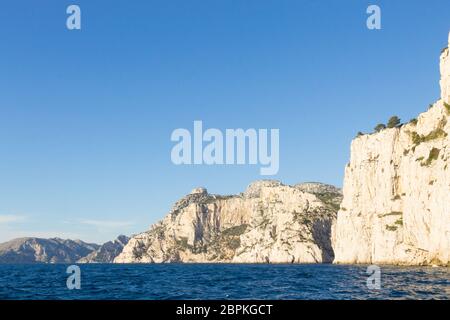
391,228
420,158
447,107
433,155
332,200
397,223
235,231
183,243
437,133
223,245
393,213
393,122
379,127
213,198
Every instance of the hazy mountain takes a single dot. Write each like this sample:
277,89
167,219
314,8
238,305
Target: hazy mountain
106,252
37,250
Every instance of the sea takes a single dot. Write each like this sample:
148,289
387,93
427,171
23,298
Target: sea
222,281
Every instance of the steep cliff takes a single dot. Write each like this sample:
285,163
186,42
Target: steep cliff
37,250
268,223
107,252
397,191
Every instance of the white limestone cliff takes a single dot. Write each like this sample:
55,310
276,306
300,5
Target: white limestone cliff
397,191
445,73
268,223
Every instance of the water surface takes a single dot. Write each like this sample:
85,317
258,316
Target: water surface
222,281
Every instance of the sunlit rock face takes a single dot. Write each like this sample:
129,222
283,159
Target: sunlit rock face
445,73
268,223
397,191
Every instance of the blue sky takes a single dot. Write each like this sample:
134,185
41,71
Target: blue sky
86,116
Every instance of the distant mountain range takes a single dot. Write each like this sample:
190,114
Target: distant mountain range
55,250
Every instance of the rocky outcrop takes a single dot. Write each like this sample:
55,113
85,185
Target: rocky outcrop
268,223
36,250
107,252
397,190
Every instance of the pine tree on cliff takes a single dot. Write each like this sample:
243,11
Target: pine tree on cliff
379,127
393,122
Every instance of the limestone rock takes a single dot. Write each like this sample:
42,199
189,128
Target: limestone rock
397,191
445,72
268,223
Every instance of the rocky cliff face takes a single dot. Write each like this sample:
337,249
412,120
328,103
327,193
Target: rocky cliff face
268,223
445,73
36,250
397,191
107,252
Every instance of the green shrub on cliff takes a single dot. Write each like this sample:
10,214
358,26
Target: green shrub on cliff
437,133
391,228
433,155
379,127
235,231
393,122
447,107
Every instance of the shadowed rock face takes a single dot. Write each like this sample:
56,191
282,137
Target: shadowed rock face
269,222
36,250
396,191
107,252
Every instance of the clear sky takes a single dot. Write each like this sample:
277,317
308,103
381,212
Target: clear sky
86,115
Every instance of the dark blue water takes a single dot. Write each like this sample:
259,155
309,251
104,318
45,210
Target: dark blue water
217,281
